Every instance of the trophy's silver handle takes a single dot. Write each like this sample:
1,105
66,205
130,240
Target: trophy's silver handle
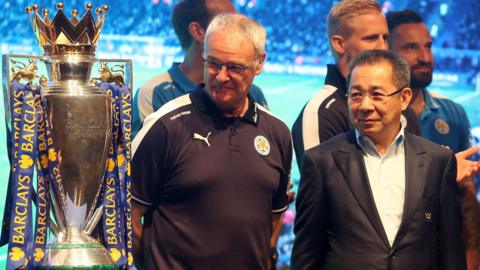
19,68
118,71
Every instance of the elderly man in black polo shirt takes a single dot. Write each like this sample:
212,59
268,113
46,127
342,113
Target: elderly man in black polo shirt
211,169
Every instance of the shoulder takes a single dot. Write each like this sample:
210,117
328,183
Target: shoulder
257,95
170,111
447,104
323,100
270,118
272,124
162,79
326,101
420,143
333,144
255,89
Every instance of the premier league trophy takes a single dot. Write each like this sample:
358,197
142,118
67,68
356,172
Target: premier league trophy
73,129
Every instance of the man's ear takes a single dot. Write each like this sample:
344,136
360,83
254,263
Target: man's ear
261,60
338,44
196,31
406,97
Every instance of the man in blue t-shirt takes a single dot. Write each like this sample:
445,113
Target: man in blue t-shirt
190,19
441,120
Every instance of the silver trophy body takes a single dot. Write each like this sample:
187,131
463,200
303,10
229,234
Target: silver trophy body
80,114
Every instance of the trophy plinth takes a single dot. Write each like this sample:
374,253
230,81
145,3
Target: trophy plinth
89,254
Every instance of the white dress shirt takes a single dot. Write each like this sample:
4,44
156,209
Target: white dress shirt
386,175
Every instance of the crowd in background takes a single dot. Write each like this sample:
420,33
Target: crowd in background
296,31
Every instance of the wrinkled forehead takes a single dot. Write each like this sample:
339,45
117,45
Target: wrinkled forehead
368,75
229,41
411,33
362,21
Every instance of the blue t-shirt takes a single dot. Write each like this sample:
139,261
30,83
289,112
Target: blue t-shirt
445,122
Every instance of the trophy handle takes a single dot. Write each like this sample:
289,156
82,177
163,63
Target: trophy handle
118,71
21,68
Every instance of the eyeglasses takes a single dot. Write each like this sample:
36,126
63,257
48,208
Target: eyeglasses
215,67
377,95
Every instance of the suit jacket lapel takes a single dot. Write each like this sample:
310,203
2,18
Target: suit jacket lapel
349,158
416,168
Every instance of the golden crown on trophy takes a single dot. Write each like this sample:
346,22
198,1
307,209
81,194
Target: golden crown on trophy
64,35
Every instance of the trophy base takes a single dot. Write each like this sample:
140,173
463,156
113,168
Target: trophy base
76,250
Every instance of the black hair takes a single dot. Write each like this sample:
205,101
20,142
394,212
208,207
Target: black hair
186,12
397,18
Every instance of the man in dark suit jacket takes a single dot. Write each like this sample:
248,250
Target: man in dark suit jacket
378,197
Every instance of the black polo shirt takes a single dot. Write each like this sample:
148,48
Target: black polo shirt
211,182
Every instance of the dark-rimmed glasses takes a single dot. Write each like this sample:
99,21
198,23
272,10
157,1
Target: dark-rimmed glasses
215,67
377,96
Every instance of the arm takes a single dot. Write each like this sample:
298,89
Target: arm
450,245
277,229
283,196
138,211
470,218
277,222
316,124
311,242
466,168
147,167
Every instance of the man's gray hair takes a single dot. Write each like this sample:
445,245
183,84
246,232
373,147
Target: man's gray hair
400,69
240,25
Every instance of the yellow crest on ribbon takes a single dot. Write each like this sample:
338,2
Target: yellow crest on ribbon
16,254
121,160
44,161
52,155
115,254
25,161
110,165
130,259
38,255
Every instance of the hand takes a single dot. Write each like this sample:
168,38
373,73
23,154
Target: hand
291,194
467,168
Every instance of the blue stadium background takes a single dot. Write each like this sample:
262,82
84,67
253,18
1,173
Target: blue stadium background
297,51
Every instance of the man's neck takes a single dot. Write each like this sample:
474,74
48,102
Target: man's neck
383,141
239,112
418,101
192,65
342,67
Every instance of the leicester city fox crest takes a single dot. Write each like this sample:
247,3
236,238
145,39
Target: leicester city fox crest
261,145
